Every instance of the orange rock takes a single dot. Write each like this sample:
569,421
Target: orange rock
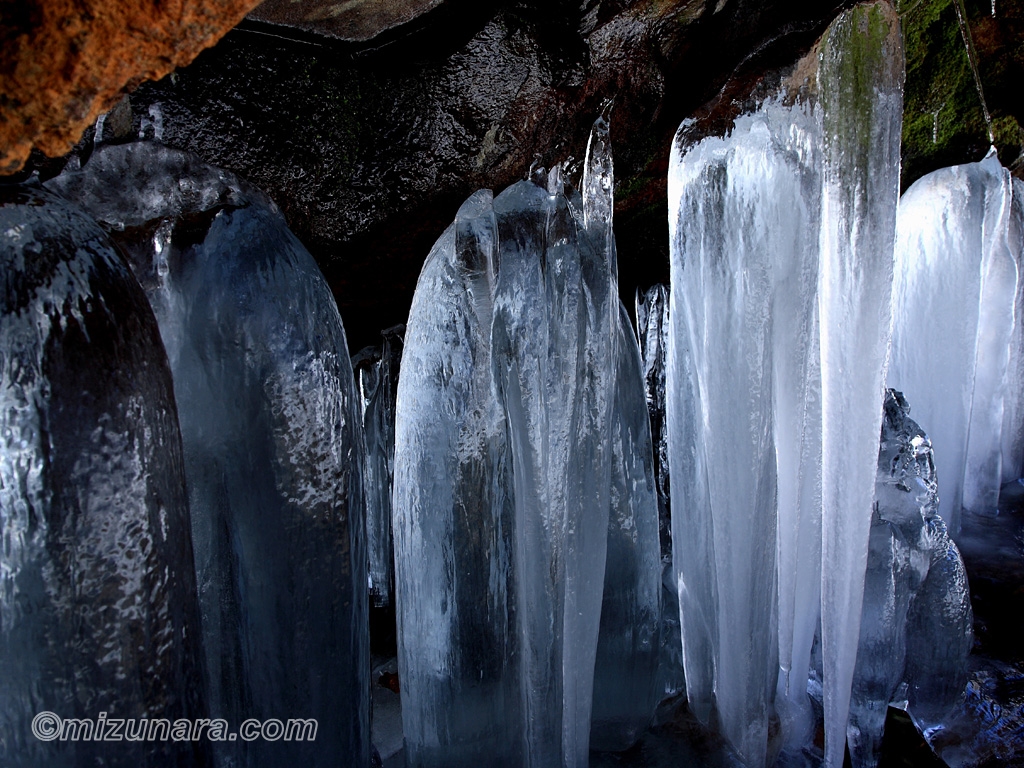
64,62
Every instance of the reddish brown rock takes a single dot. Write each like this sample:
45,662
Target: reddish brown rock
64,62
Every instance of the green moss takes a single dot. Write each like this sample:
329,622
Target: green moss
943,121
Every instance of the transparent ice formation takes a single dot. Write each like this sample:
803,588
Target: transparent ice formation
271,432
455,561
376,372
861,98
97,590
1013,405
956,280
745,279
652,332
782,245
916,620
503,474
553,350
626,682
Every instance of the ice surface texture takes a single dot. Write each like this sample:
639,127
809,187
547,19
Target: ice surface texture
956,280
782,245
97,593
271,432
626,678
376,372
861,90
455,562
916,621
504,478
652,332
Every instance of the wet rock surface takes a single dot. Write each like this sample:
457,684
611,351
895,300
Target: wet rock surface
368,148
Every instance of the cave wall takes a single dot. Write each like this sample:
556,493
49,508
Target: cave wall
369,140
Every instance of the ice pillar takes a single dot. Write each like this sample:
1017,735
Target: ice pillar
626,678
861,97
956,280
454,552
271,434
98,609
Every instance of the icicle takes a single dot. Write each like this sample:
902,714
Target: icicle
956,281
99,610
861,82
972,60
452,513
724,197
272,441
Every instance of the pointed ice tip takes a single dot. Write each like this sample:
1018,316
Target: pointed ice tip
554,184
992,152
598,176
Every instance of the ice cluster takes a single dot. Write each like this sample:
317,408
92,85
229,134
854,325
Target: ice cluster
523,459
97,592
958,253
272,438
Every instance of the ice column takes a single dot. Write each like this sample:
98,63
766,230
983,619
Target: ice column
652,330
729,197
916,618
97,590
956,280
554,339
861,97
376,372
271,433
503,474
454,552
1013,408
796,394
626,689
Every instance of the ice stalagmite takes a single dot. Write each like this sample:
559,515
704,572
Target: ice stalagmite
861,98
554,339
454,554
271,433
728,198
626,688
503,474
376,372
916,617
796,393
956,280
652,330
1013,407
905,494
98,611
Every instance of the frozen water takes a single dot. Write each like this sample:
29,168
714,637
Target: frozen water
97,591
376,372
782,236
796,393
503,474
723,194
956,281
454,553
1013,405
916,617
626,682
553,341
652,331
861,97
271,433
745,270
